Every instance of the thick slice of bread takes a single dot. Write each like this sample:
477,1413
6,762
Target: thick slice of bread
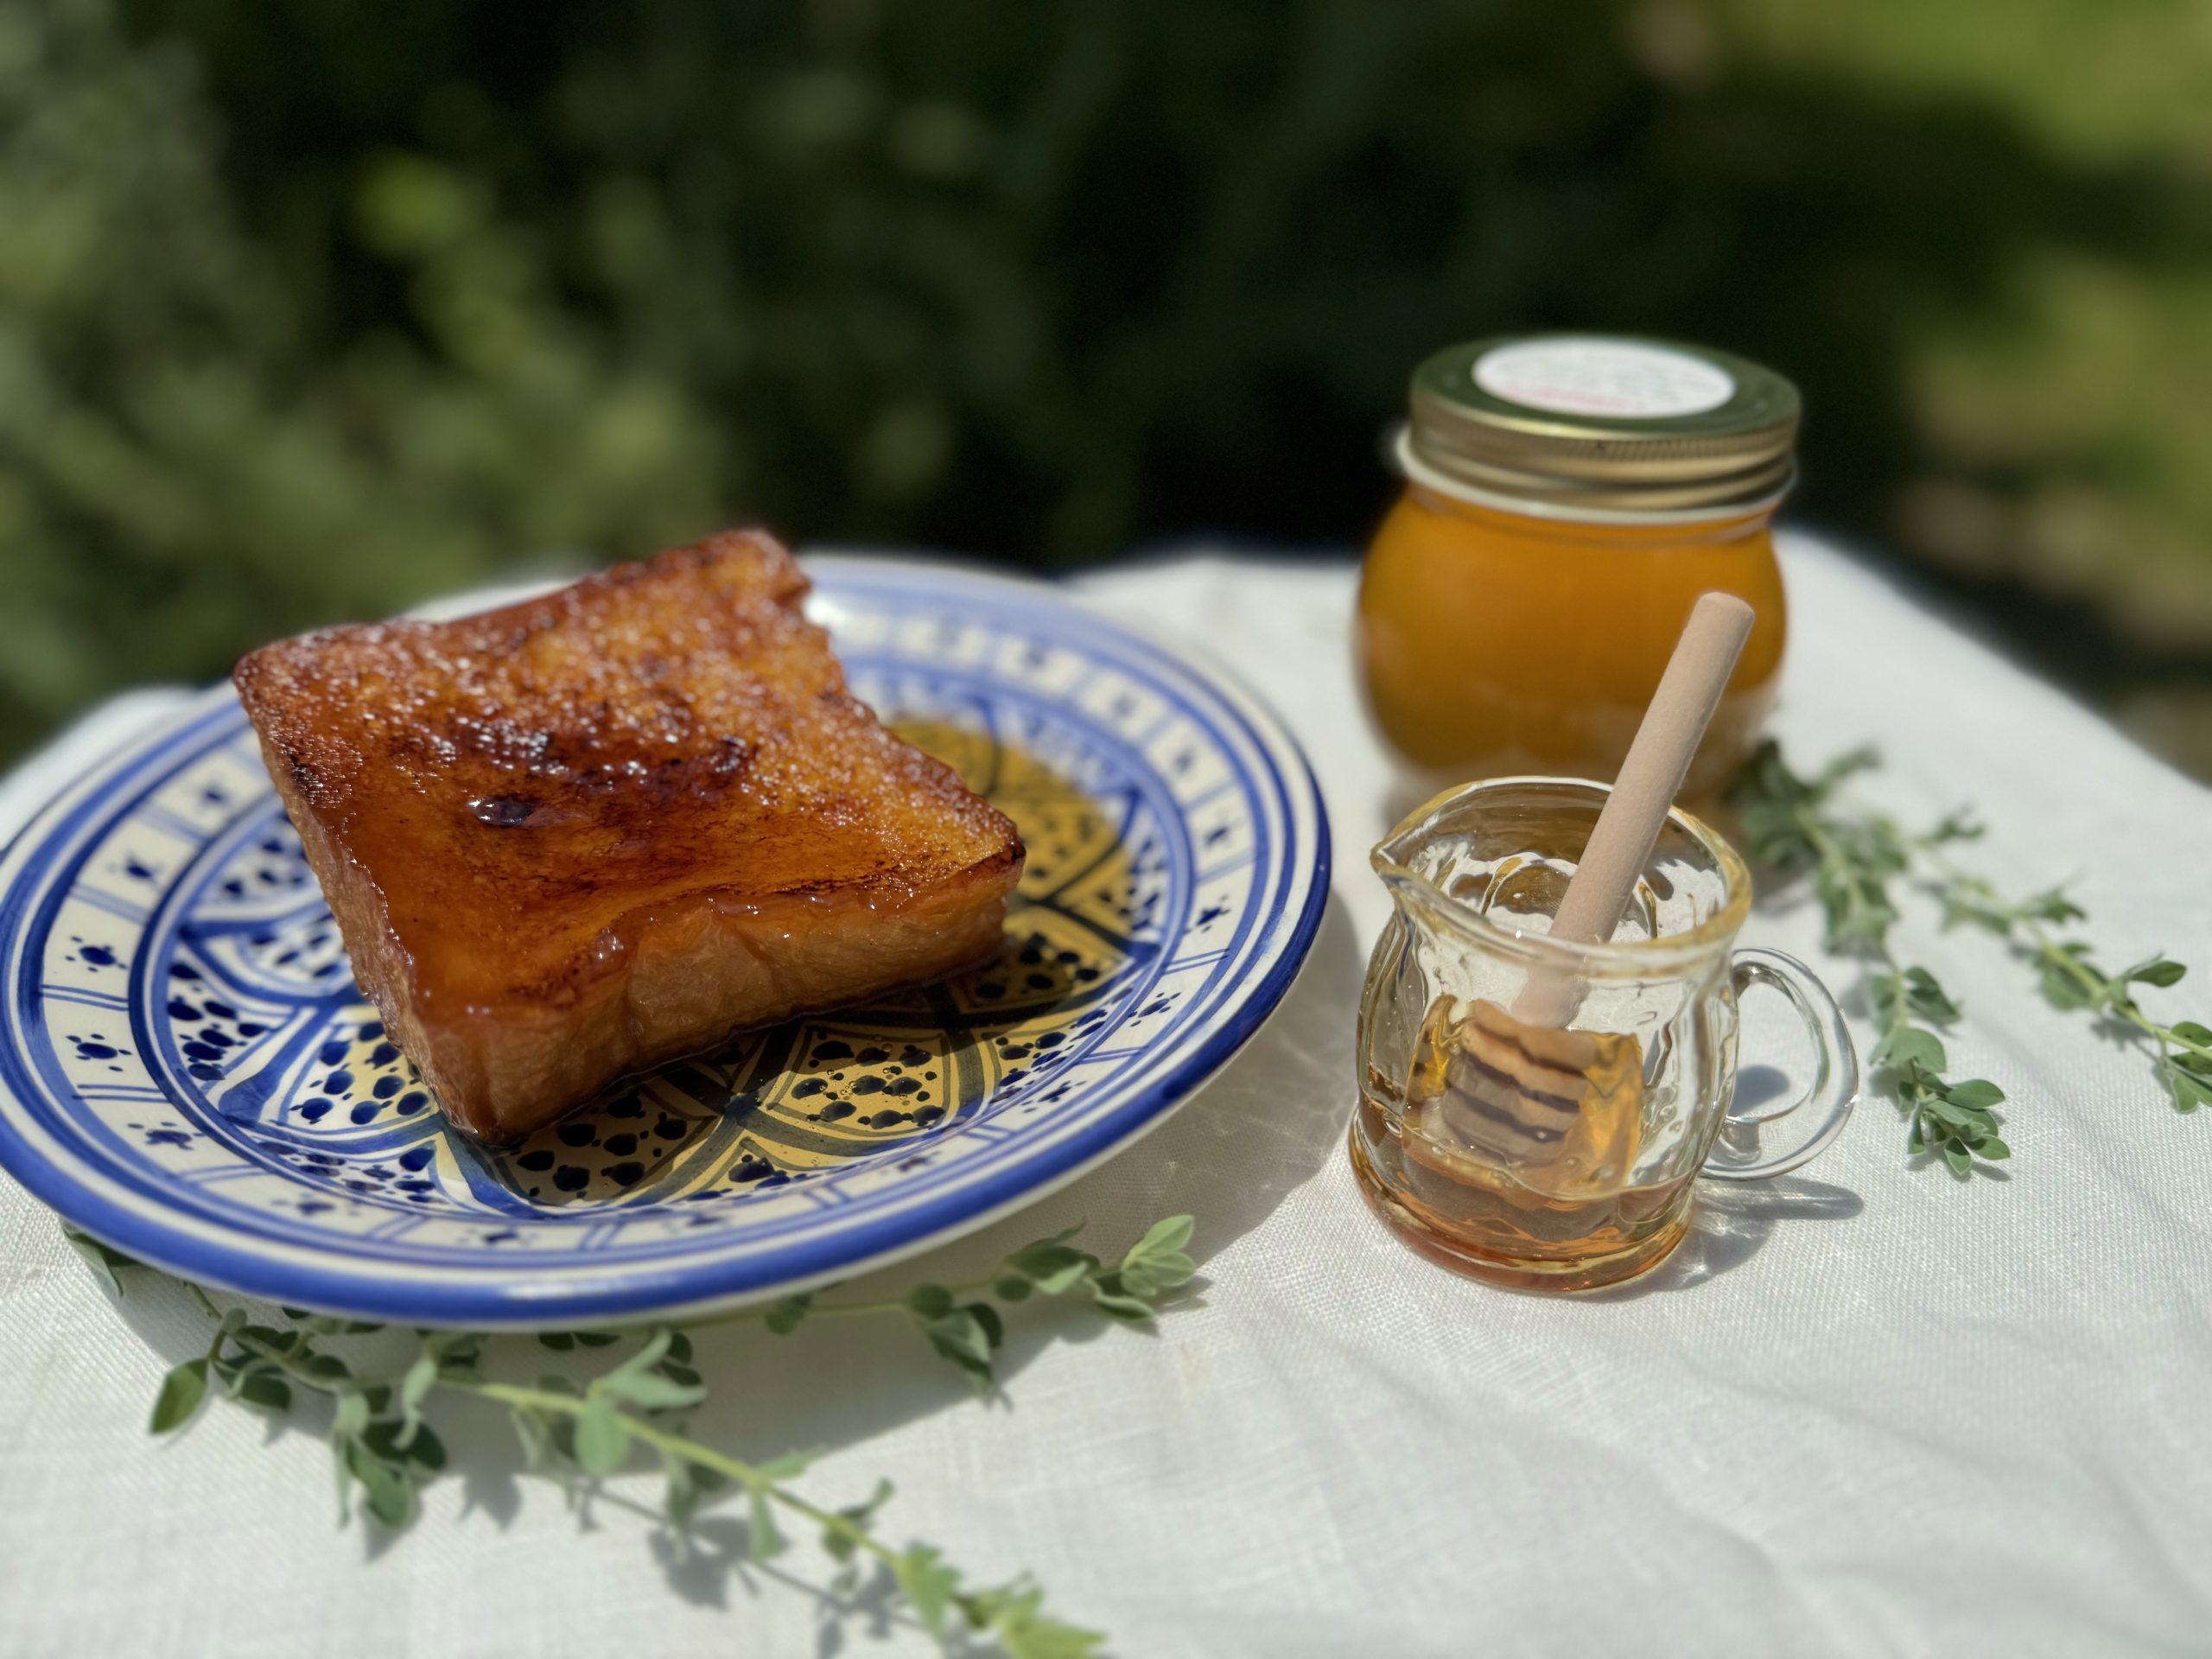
572,838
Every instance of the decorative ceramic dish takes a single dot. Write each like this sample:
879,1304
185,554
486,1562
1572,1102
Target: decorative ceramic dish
189,1073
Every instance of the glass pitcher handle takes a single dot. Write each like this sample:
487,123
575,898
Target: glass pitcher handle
1742,1151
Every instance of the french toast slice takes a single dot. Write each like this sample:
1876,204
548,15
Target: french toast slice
603,828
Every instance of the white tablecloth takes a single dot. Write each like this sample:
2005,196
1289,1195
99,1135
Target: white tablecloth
1865,1410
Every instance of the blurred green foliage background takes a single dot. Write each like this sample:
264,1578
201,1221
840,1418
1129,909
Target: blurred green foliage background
313,311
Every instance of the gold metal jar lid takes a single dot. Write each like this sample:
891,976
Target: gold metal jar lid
1605,425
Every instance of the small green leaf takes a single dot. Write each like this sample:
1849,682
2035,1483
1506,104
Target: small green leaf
426,1451
707,1480
1156,1263
183,1390
642,1379
1908,1045
391,1498
862,1515
415,1387
1121,1306
2190,1032
784,1318
651,1390
1927,999
389,1440
839,1540
2159,971
1977,1093
929,1301
1991,1148
602,1437
105,1261
350,1416
1951,1116
1154,1275
679,1348
1165,1237
2187,1091
1959,1163
2054,907
929,1586
420,1378
1959,826
1015,1614
652,1354
765,1539
1957,910
1036,1635
788,1466
2063,990
265,1389
1051,1265
1865,758
961,1337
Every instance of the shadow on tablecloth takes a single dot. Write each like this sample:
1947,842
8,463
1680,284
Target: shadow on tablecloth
1267,1123
1730,1224
1272,1117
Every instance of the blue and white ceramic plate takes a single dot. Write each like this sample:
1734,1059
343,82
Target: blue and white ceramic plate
189,1073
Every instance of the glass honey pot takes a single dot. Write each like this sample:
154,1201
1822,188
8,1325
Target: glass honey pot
1562,1155
1567,498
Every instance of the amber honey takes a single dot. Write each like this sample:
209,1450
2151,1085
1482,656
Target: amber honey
1566,501
1494,643
1510,1153
1484,1221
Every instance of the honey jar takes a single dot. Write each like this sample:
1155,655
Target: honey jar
1566,499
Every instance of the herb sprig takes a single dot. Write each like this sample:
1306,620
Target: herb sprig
1860,862
384,1450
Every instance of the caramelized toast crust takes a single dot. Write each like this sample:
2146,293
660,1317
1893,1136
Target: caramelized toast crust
571,838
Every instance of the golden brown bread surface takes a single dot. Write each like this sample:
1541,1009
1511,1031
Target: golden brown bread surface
612,825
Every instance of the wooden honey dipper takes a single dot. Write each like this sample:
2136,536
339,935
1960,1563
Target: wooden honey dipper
1628,827
1565,1106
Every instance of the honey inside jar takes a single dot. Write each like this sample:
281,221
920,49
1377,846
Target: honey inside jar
1519,603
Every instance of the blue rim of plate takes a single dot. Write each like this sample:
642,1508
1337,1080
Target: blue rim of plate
133,1213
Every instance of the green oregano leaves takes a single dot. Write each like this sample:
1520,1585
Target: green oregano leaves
1861,864
183,1390
384,1448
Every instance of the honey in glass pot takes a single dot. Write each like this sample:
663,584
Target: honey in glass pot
1567,500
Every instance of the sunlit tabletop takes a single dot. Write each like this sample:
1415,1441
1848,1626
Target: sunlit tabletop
1866,1408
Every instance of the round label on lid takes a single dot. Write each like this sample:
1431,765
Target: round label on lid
1615,377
